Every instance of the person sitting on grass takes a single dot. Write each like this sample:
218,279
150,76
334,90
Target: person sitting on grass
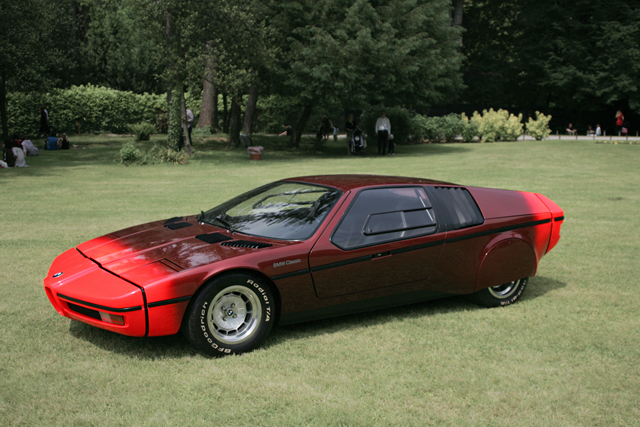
287,131
571,130
63,142
51,143
18,154
28,147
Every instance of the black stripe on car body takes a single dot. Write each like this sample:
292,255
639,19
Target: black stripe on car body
292,274
169,301
101,307
434,243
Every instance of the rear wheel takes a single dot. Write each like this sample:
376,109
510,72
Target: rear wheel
233,314
500,295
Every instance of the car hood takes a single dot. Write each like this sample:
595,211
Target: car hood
178,243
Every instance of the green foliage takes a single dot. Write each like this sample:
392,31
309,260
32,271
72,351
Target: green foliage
131,154
142,131
512,128
158,154
124,53
173,131
539,128
469,129
493,125
357,53
128,154
277,112
446,127
94,108
587,57
402,123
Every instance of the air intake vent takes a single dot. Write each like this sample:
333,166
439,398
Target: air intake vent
213,238
172,220
463,210
246,244
178,225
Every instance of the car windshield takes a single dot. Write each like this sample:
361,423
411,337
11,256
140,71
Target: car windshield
280,210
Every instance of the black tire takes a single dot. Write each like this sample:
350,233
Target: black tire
232,314
500,295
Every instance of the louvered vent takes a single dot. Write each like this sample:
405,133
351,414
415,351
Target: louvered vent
213,237
463,210
246,244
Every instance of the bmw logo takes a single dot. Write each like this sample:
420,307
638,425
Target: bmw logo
58,274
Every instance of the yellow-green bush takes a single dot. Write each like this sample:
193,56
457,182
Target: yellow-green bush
493,125
539,128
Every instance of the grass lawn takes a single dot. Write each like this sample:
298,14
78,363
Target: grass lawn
568,353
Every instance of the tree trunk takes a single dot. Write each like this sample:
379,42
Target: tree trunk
225,114
188,149
167,62
250,111
234,123
458,8
208,91
302,122
3,108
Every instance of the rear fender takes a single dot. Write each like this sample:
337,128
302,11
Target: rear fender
508,260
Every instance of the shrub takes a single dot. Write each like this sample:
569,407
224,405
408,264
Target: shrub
93,108
493,125
142,131
469,129
446,127
128,154
539,128
158,154
512,126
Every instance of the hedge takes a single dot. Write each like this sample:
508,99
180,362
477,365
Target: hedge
95,108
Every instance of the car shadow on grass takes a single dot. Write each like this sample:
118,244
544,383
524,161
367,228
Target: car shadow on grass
536,287
177,346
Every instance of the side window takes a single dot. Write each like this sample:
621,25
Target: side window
383,215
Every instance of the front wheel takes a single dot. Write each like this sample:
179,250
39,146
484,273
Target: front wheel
500,295
233,314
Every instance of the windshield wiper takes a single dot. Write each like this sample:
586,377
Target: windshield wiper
225,223
200,217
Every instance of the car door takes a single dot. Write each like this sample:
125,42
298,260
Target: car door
387,236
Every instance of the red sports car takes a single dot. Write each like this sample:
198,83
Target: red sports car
305,248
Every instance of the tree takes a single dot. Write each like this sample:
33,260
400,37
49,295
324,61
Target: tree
38,56
123,51
580,55
355,53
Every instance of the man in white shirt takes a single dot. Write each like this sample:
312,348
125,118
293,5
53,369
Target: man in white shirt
383,129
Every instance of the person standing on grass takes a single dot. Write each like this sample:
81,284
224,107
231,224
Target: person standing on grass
44,121
350,126
619,122
383,129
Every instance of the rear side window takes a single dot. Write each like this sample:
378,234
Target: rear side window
383,215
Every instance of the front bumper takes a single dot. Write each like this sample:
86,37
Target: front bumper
87,293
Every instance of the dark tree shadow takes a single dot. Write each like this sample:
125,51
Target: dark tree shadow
177,346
